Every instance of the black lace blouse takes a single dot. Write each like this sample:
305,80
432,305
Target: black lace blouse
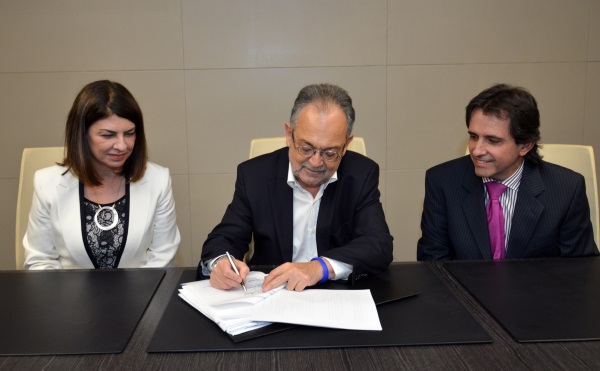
104,247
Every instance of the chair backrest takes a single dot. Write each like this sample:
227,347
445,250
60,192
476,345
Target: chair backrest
33,159
578,158
260,146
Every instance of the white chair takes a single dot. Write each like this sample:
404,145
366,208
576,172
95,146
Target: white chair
260,146
578,158
33,159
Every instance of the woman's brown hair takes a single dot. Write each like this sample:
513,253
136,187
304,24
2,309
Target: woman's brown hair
96,101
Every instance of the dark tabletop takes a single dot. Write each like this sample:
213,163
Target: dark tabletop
537,300
72,311
408,317
504,353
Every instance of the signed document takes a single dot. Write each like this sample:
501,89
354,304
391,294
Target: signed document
237,312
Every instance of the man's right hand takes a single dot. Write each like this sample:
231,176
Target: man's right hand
223,277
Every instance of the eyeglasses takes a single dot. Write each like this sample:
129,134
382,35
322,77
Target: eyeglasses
308,151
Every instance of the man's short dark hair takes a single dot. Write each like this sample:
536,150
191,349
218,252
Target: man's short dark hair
518,106
323,95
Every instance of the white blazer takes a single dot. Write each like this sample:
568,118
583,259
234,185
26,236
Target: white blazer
54,240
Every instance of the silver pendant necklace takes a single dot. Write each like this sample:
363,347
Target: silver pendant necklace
108,214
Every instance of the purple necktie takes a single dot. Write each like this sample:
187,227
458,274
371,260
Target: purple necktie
495,219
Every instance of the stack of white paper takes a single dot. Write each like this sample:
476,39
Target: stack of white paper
237,312
230,309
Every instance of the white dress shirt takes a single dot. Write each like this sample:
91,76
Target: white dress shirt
306,212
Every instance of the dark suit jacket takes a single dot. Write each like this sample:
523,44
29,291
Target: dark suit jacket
351,226
551,217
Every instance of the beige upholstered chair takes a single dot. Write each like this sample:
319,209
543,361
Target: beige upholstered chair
578,158
33,159
260,146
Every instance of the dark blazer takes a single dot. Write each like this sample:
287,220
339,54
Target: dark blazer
551,217
351,226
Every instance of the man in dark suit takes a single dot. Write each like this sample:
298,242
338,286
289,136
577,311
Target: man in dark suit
312,208
544,208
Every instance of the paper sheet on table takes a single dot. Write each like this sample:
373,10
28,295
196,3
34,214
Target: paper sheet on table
344,309
216,297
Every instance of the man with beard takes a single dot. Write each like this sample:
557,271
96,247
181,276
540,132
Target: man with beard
312,208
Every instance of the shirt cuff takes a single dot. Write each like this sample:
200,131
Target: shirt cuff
341,270
207,264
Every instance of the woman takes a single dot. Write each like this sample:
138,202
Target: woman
104,206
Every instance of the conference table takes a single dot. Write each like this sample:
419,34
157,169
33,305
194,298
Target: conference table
483,298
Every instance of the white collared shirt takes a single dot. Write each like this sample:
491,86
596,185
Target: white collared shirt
306,212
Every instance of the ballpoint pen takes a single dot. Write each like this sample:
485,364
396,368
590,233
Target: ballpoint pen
235,270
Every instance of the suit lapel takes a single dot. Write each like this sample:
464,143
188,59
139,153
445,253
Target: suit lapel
139,196
326,216
69,215
282,199
474,210
527,211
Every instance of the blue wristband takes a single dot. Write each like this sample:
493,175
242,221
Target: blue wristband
325,270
